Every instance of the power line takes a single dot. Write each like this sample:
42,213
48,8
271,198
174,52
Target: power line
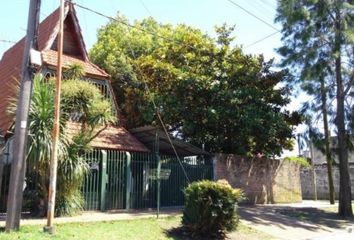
146,86
159,117
144,6
252,14
166,38
273,7
7,41
260,10
262,39
132,26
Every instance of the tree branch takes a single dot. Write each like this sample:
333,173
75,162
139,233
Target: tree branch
97,133
350,84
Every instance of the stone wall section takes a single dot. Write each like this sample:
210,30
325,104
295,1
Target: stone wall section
321,176
263,180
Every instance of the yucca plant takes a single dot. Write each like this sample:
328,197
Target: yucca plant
71,166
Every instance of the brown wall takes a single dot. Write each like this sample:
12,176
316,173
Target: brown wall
263,180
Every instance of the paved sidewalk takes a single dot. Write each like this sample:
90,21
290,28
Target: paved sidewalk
99,216
266,218
307,204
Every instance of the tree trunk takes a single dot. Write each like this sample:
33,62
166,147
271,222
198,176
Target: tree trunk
345,198
345,206
313,171
327,148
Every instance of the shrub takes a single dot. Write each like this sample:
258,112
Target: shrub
210,208
303,162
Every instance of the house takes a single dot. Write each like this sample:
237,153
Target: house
122,167
114,137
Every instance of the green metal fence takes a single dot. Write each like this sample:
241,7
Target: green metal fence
123,180
115,181
91,187
120,180
172,188
4,187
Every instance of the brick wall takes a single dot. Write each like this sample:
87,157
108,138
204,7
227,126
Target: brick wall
321,176
263,180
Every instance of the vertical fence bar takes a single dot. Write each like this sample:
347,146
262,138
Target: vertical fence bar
103,180
119,187
128,181
158,184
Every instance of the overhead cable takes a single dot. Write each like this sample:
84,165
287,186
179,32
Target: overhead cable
252,14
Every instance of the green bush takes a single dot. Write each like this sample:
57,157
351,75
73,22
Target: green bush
303,162
210,208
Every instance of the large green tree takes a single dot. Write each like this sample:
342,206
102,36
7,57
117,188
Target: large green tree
318,37
207,90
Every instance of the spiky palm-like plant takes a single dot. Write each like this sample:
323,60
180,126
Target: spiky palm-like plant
78,97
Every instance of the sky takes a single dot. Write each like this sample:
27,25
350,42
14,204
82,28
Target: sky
202,14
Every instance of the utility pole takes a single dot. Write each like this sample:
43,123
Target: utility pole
56,128
18,168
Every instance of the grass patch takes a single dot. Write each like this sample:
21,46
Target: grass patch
147,229
247,233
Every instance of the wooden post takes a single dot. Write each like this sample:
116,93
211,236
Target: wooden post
18,168
56,128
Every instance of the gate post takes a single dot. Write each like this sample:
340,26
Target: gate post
158,184
103,180
158,173
128,177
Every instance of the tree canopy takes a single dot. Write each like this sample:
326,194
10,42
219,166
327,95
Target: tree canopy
207,90
318,37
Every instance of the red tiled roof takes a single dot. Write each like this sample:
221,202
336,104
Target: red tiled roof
11,61
9,71
117,138
49,57
112,137
47,28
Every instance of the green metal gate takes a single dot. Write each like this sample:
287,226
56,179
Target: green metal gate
173,187
105,185
120,180
116,176
92,187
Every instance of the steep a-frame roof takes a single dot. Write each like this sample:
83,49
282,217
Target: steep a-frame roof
74,51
